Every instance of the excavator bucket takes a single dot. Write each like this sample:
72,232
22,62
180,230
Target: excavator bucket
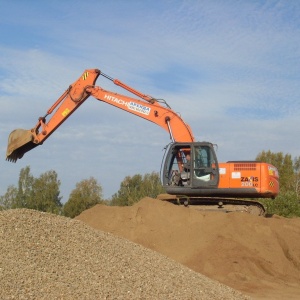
19,142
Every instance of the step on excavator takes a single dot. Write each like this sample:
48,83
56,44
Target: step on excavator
190,173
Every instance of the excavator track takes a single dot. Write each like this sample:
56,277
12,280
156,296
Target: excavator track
219,204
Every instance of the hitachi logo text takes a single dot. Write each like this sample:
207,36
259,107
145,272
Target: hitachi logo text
117,100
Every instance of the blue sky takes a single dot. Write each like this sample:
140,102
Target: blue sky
230,68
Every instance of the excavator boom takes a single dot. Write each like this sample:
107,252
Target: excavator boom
21,141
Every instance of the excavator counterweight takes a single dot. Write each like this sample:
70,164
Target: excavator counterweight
20,141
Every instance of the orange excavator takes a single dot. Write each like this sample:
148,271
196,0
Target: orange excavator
191,174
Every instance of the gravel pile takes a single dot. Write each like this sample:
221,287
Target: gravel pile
45,256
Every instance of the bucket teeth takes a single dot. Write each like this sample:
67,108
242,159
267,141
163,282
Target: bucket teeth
12,157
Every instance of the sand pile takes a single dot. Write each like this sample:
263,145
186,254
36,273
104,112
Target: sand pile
258,256
44,256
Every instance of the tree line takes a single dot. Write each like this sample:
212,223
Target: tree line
43,193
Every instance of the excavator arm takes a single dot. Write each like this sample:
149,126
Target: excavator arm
157,111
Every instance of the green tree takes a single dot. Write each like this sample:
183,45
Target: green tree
45,193
25,184
34,193
297,176
87,193
133,189
286,204
8,199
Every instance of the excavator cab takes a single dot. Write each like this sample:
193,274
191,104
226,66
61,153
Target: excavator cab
189,168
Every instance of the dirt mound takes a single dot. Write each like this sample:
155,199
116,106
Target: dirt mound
258,256
44,256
